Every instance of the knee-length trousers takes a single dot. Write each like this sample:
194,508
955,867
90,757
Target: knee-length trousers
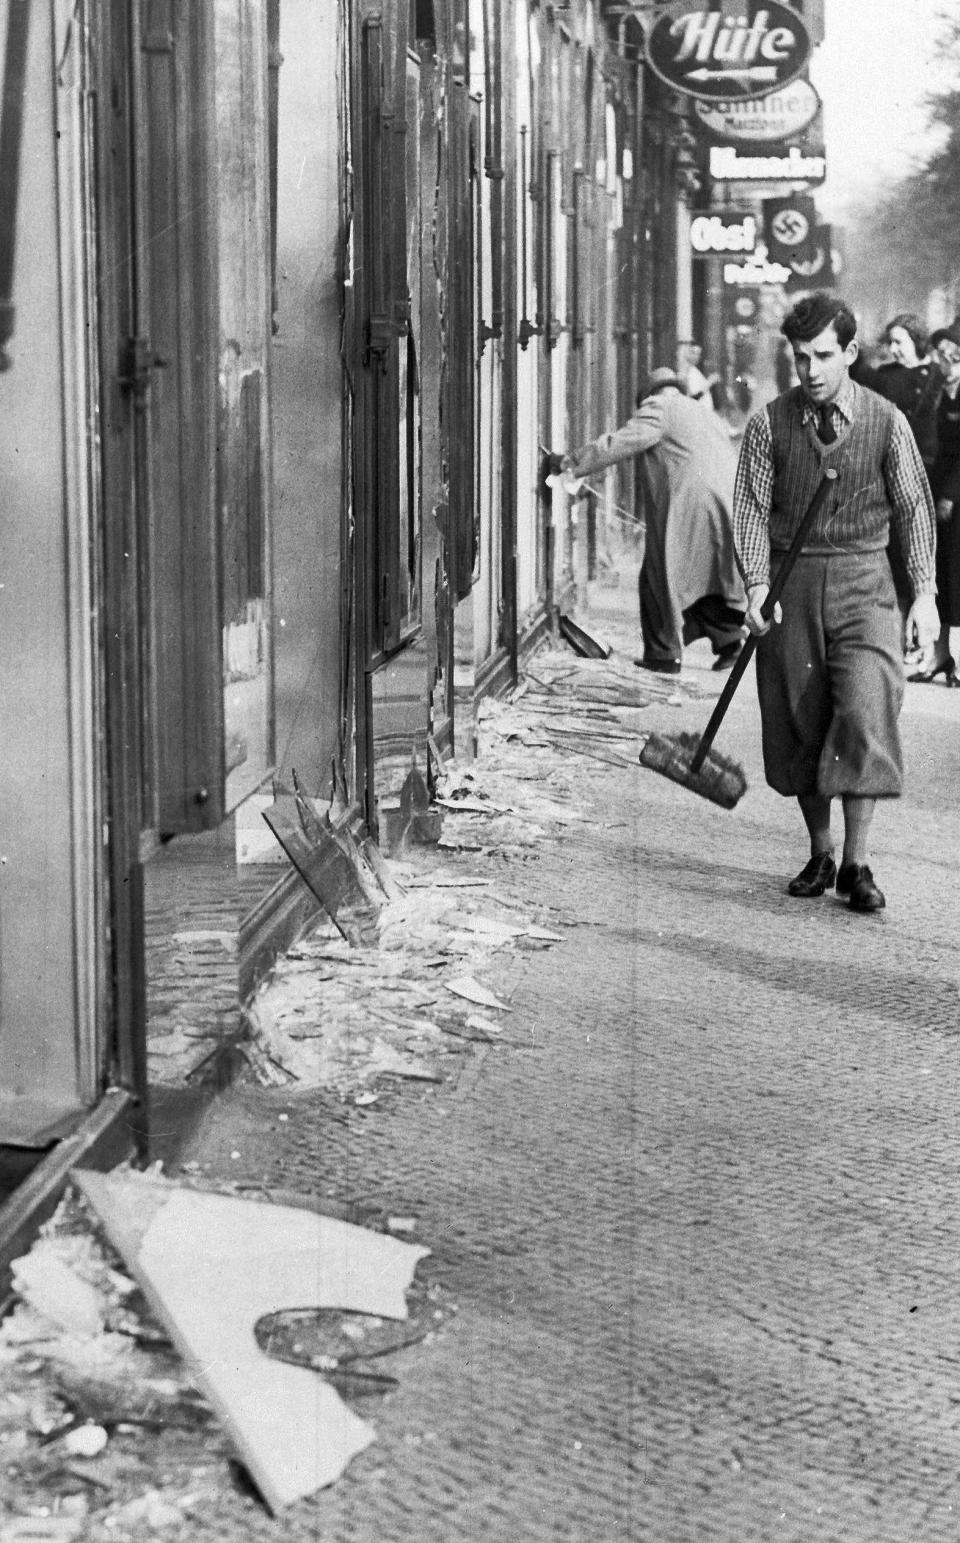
830,680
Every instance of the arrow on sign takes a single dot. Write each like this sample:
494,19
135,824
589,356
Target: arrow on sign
758,72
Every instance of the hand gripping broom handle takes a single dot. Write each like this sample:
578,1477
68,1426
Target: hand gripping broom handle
747,651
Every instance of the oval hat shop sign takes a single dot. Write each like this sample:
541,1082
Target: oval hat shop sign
776,117
744,50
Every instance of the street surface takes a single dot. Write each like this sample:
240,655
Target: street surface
697,1224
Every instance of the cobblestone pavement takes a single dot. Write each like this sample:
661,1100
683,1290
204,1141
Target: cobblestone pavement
702,1233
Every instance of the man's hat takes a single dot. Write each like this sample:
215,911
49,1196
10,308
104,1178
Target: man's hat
949,334
660,377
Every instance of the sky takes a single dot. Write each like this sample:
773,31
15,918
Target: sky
872,71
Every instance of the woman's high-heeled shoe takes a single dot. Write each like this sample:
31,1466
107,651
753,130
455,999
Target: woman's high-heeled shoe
946,667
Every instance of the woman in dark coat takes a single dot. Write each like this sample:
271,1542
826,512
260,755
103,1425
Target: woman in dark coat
945,486
913,383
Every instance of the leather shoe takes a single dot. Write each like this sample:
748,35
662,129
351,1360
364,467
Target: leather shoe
660,666
819,874
727,657
945,668
856,881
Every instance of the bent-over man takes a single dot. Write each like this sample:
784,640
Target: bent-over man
690,586
830,671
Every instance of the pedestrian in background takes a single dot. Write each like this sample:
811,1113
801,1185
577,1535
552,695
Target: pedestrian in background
689,583
693,382
910,380
945,485
785,373
829,668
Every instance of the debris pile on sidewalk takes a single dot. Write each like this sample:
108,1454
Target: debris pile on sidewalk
92,1397
150,1347
370,994
583,706
343,1018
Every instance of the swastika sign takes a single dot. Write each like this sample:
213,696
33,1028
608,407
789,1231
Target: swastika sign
788,223
790,228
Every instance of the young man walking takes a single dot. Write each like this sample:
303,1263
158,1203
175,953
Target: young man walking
829,667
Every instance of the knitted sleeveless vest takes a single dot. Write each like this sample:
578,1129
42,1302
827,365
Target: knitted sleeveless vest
856,516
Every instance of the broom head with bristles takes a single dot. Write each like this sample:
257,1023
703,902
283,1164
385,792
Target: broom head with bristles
719,778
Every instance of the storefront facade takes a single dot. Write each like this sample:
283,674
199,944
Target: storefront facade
301,297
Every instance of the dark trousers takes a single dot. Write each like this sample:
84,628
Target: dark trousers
830,680
709,617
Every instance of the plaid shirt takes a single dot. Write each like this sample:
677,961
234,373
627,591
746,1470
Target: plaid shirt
907,488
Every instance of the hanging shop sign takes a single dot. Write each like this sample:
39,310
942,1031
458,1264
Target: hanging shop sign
755,271
786,164
787,225
715,54
778,117
742,306
722,230
813,266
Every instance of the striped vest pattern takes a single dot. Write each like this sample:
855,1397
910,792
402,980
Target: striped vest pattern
856,516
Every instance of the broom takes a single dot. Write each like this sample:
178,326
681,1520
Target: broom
688,760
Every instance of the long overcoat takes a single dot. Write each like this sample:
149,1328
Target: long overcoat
689,550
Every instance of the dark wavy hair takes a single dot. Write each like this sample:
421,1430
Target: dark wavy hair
811,315
913,327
